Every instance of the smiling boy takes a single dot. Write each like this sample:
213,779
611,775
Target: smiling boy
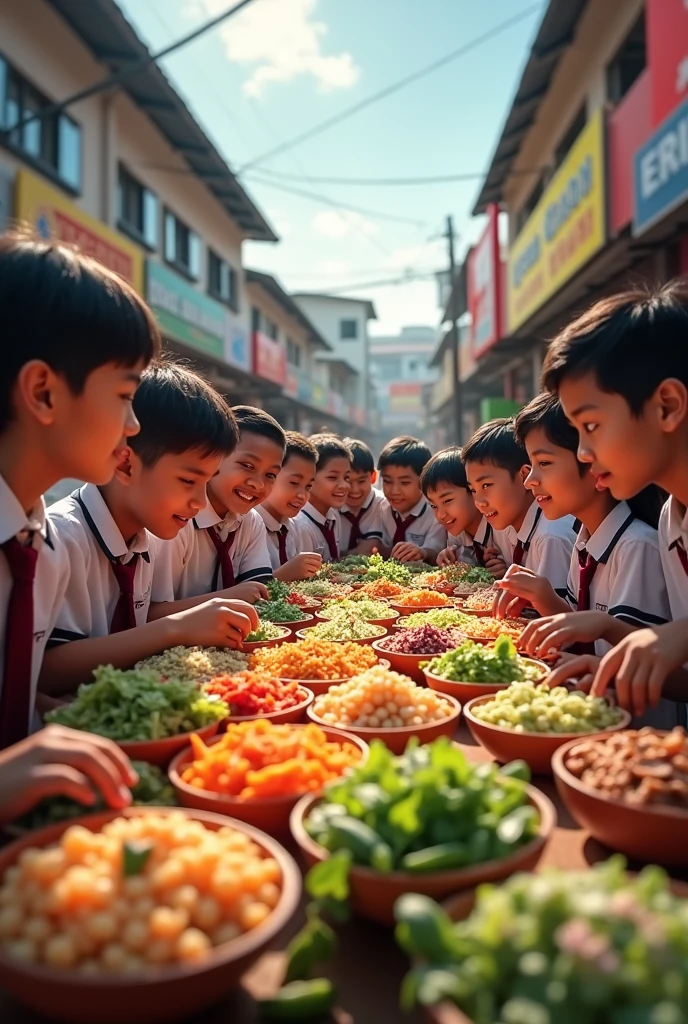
410,531
318,522
361,517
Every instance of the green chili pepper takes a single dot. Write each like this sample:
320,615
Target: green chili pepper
423,928
353,835
300,1000
436,858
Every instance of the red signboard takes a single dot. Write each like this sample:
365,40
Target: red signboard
485,288
269,358
667,51
291,384
628,127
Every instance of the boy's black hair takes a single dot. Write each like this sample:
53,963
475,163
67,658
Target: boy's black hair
495,443
445,467
251,420
180,411
299,446
362,460
545,413
328,447
405,451
68,311
629,342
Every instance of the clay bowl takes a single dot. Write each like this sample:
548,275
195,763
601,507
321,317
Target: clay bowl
256,645
161,752
402,624
388,621
271,815
466,691
294,624
408,609
656,835
317,686
536,748
407,664
373,895
302,634
289,716
158,995
397,738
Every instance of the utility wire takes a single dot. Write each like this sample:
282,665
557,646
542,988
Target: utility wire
366,285
438,179
330,122
117,77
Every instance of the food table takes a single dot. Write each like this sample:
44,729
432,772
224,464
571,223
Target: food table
368,968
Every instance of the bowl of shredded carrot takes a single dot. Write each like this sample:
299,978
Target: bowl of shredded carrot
420,601
257,771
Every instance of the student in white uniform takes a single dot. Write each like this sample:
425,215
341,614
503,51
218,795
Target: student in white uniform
410,531
470,537
360,520
621,373
224,547
289,559
75,339
318,522
112,533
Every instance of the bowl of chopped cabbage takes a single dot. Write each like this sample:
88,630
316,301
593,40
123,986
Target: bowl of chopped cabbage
473,670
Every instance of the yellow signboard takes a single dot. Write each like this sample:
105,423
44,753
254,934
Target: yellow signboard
566,228
50,213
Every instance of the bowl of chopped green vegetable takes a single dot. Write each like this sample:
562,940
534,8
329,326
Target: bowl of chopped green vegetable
148,717
441,618
473,670
427,821
377,612
268,634
531,721
343,629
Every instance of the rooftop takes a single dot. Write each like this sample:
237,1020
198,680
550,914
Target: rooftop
370,308
272,286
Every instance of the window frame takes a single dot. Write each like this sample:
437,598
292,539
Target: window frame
125,226
348,337
186,271
232,299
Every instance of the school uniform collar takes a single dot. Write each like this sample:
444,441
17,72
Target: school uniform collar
529,524
605,538
105,530
272,524
14,520
317,517
208,517
417,510
677,527
364,507
483,534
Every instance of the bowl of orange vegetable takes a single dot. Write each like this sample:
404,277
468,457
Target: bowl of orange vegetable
420,601
315,664
257,771
158,913
251,695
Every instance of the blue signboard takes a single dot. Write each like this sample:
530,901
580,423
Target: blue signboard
660,171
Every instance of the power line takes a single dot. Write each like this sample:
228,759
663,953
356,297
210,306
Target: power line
366,285
116,77
330,122
339,205
438,179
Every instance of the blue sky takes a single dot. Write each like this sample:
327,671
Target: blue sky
282,66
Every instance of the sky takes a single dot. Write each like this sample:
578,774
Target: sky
280,67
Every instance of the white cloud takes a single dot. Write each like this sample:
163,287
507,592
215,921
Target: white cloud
282,40
336,224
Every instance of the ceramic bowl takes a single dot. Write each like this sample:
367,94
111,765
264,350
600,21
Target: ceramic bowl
397,738
256,645
388,621
302,634
536,748
271,815
158,995
292,715
655,835
373,895
466,691
406,609
161,752
317,686
406,664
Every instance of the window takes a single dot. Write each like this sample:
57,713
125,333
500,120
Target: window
271,329
182,246
293,353
348,330
576,127
255,319
628,64
222,281
52,143
137,209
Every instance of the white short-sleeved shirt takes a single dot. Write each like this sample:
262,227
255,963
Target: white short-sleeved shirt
424,531
485,537
311,536
673,531
548,546
273,527
189,565
50,581
93,541
370,523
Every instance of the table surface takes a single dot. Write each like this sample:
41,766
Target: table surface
369,968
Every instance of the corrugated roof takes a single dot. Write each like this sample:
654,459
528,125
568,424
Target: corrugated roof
102,27
555,35
275,289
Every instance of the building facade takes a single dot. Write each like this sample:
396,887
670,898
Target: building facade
400,370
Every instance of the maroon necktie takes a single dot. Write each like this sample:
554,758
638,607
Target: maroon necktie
519,552
402,527
282,544
15,699
683,557
124,616
327,530
479,552
587,566
224,561
355,520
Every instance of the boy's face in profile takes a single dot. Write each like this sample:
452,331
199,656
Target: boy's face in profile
401,488
292,487
555,479
498,495
360,486
454,507
331,486
247,476
164,496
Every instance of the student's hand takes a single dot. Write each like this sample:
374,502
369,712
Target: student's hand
520,589
446,557
640,664
542,636
300,567
63,762
579,669
405,552
217,622
494,563
250,591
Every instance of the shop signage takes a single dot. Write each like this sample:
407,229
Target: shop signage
319,396
237,349
183,313
291,384
667,53
404,399
566,228
269,358
47,210
485,288
660,171
304,391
